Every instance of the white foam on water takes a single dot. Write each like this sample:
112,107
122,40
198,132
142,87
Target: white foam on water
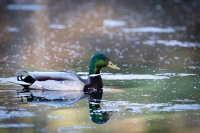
149,29
171,43
26,7
113,23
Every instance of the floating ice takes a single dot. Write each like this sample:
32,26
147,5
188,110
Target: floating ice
171,43
26,7
113,23
149,29
57,26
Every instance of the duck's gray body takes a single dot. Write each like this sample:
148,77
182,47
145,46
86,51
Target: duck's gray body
55,81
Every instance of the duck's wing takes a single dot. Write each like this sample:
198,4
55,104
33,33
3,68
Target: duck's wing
57,76
27,79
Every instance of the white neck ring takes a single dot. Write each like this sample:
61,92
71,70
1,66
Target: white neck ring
94,75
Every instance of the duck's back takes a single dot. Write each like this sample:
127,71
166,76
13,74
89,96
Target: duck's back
55,81
57,76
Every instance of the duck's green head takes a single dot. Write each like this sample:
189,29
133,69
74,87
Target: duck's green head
98,61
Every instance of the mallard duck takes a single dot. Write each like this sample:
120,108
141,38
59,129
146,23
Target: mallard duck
66,80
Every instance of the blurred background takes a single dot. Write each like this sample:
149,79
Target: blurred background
45,35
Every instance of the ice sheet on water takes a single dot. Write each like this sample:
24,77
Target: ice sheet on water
149,29
171,43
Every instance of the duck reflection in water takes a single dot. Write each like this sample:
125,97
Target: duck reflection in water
67,98
98,115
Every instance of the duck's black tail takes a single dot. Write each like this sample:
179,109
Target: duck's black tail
25,78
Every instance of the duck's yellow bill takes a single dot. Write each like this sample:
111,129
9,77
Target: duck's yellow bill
111,65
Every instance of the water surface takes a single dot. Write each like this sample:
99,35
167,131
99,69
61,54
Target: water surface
156,44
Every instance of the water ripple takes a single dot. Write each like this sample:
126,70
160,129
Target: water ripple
15,125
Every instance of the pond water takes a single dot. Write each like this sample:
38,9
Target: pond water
156,44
